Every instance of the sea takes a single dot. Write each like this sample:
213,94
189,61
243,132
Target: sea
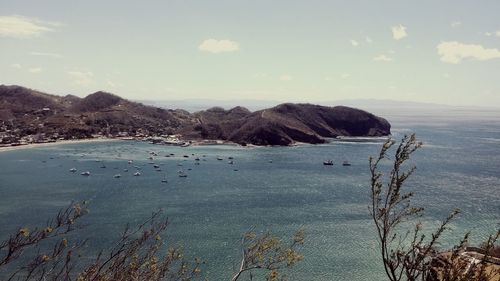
275,189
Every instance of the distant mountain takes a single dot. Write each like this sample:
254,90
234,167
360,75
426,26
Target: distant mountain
25,112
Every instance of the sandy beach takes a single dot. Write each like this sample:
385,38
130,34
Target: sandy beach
37,145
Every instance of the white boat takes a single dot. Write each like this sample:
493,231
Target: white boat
136,174
219,158
346,163
117,176
230,162
130,161
328,163
182,174
164,180
87,173
72,170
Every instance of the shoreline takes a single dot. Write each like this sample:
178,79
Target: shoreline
63,142
192,142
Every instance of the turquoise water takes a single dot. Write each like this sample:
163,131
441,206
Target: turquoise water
459,166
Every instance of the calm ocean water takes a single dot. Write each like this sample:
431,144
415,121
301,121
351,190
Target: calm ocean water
459,166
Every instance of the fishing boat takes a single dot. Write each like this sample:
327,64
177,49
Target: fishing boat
328,163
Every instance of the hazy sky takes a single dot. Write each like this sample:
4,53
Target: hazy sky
427,50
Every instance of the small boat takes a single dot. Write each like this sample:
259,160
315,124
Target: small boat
164,180
72,170
328,163
197,163
103,166
87,173
117,176
270,161
197,159
130,161
219,158
230,158
230,162
182,174
346,163
125,170
136,174
156,166
186,156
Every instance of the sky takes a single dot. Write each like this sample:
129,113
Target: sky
445,52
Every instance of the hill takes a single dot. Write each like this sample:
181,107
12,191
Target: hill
33,116
288,123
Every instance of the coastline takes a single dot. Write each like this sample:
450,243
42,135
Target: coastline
63,142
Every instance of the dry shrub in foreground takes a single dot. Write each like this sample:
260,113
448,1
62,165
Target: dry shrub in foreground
139,254
407,253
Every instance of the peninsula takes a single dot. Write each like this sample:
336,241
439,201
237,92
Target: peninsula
29,116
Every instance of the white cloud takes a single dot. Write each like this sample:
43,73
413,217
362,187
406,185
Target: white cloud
285,77
456,24
35,69
345,75
218,46
454,52
497,33
24,27
368,39
382,58
488,34
354,43
16,65
399,32
50,55
82,78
